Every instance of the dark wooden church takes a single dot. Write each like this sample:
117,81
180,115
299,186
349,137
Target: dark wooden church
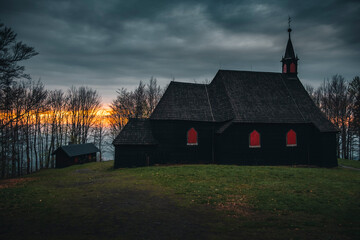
241,117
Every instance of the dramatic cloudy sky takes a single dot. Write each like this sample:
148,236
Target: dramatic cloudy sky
112,44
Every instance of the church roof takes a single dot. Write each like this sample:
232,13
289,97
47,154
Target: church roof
242,96
136,132
184,101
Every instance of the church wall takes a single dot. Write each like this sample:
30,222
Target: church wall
232,146
172,138
329,157
323,148
133,156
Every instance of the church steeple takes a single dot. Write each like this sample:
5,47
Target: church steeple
290,60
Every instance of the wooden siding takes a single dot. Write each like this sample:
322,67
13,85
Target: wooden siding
312,147
172,136
231,146
62,160
134,156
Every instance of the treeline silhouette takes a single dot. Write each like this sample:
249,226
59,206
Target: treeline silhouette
34,121
339,100
139,103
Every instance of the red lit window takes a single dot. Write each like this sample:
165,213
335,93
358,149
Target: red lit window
192,137
254,139
291,138
292,68
284,68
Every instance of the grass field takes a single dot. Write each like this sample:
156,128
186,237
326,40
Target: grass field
94,201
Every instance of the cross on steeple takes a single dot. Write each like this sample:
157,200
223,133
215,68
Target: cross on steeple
289,29
289,21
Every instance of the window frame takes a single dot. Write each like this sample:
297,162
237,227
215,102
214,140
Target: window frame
187,138
284,68
291,145
292,68
255,146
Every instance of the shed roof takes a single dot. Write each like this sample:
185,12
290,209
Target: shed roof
242,96
136,132
74,150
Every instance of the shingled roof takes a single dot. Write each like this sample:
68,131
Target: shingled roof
242,96
136,132
74,150
184,101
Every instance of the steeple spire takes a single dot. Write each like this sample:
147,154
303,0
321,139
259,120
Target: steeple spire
289,61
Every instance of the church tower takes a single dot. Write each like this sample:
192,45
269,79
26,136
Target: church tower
290,60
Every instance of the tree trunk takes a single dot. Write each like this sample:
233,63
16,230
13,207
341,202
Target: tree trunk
359,144
27,149
13,155
343,141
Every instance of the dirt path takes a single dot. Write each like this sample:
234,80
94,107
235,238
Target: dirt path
352,168
128,209
146,213
139,214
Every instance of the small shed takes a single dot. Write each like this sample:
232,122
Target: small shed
75,154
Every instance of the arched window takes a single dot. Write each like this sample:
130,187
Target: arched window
192,138
254,139
292,68
284,68
291,138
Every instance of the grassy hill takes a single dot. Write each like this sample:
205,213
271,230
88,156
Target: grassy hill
349,163
94,201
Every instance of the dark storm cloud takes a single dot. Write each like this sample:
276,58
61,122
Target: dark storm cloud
113,44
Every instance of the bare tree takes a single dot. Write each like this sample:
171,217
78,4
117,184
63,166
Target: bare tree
334,98
153,95
27,96
121,110
83,105
19,97
100,132
56,113
140,101
11,53
138,104
90,105
354,90
340,111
